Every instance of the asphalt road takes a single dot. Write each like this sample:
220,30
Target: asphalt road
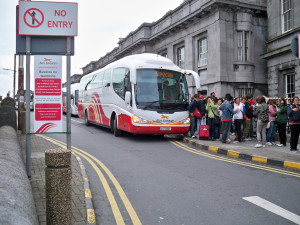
168,182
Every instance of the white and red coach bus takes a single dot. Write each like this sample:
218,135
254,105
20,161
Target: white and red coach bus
74,99
140,94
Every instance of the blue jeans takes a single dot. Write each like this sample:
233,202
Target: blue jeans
226,128
211,124
201,121
271,132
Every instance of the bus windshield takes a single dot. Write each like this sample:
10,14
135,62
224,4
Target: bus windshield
161,89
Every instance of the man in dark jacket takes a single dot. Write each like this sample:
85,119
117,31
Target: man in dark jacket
192,106
248,115
294,116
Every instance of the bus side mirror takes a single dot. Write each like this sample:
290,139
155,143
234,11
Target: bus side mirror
127,98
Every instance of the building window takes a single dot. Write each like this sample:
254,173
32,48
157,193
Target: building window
243,38
244,91
202,49
163,53
286,15
290,85
180,57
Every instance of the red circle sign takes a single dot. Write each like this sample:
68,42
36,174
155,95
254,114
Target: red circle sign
34,23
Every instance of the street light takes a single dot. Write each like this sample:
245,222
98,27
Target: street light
14,70
14,80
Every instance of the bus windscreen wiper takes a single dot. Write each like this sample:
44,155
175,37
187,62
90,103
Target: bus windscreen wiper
151,103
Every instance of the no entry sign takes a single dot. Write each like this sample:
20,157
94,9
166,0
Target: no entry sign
48,18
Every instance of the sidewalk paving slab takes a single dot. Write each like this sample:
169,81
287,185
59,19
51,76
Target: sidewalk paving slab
38,147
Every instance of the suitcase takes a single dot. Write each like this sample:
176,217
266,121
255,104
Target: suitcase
204,132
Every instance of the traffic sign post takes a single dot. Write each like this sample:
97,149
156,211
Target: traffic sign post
44,22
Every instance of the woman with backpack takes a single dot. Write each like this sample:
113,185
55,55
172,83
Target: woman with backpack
261,112
281,121
294,117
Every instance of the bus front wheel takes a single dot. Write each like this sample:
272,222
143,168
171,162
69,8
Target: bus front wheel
117,132
86,119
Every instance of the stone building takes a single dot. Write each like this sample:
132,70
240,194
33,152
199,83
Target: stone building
221,40
283,66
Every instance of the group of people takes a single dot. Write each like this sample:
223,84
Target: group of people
238,115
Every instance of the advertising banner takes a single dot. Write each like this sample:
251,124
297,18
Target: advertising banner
47,94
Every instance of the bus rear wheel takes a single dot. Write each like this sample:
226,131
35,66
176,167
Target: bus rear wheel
86,119
117,132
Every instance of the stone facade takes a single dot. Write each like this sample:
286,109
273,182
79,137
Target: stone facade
283,66
221,40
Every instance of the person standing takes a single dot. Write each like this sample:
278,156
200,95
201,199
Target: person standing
238,118
201,107
294,117
227,112
281,121
211,108
218,126
272,116
192,106
248,118
260,109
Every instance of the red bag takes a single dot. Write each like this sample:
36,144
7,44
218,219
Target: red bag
204,132
197,114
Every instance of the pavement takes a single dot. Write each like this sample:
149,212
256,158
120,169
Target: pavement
81,201
38,147
273,155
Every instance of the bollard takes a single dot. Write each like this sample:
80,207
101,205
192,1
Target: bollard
58,186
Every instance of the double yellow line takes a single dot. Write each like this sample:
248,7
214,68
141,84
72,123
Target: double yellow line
97,164
220,158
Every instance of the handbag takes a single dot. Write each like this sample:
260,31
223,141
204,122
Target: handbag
217,118
197,114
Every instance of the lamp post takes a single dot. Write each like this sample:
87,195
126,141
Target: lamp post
14,80
14,70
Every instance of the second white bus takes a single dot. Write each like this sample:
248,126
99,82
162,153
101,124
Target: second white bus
74,99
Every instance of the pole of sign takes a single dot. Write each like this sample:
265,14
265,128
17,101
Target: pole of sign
68,93
20,91
27,100
14,90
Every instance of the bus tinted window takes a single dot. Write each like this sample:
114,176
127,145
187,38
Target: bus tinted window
106,78
118,81
97,82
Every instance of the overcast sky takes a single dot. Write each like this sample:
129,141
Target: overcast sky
100,25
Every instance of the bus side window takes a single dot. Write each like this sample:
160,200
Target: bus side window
97,83
127,83
106,78
119,81
76,97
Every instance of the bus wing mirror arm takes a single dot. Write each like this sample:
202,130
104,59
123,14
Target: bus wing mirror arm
127,98
196,77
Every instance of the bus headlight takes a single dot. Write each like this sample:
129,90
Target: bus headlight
186,121
137,119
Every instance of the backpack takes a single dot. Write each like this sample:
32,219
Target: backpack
264,117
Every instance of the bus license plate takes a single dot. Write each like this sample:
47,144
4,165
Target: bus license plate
165,128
